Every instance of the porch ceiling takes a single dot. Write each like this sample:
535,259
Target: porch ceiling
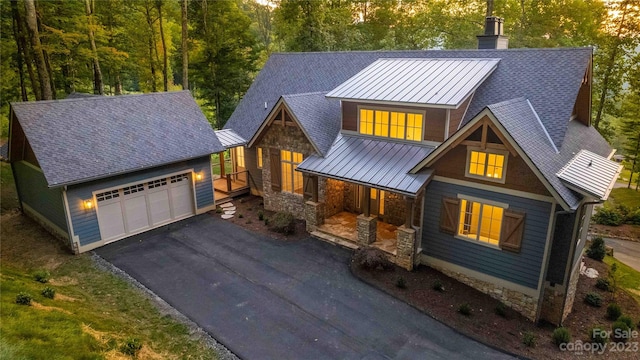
371,162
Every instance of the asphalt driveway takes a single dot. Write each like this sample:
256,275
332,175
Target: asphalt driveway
271,299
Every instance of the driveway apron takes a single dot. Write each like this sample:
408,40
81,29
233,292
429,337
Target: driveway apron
271,299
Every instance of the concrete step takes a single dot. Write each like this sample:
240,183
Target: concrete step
334,240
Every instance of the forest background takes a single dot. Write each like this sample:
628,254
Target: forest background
214,48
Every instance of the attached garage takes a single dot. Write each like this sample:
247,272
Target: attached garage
94,170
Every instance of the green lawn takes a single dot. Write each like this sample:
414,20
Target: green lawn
93,314
628,278
624,177
624,196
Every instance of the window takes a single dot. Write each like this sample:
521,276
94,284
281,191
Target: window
397,125
486,165
291,179
480,221
259,158
484,221
240,156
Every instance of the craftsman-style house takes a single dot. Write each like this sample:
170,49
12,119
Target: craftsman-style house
480,163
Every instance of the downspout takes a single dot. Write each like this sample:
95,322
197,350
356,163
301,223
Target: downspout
573,255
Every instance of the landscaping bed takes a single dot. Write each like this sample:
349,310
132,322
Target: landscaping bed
485,325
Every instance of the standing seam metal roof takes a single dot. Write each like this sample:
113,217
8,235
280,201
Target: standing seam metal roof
88,138
372,162
229,139
418,81
591,173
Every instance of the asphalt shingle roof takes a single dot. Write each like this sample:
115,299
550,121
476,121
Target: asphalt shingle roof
372,162
319,117
77,140
520,121
549,78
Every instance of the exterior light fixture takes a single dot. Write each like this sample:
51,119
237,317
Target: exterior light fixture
198,176
88,204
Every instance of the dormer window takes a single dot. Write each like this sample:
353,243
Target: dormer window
487,165
394,124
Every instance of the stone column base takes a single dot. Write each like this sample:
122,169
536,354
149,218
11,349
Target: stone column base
314,215
366,227
405,251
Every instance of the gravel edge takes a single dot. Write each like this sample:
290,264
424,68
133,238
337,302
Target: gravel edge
165,308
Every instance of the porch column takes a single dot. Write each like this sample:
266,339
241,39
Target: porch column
366,202
406,238
314,215
221,158
314,188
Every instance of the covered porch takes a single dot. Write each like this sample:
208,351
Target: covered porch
230,175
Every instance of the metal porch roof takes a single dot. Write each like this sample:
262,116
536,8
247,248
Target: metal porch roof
441,82
590,174
229,138
372,162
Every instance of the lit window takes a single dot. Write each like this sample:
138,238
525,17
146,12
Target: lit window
397,125
366,122
481,222
486,164
240,156
291,179
259,158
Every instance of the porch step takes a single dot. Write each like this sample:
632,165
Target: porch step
334,240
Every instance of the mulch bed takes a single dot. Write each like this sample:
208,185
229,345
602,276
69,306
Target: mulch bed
484,324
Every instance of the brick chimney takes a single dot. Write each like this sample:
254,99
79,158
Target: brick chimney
493,37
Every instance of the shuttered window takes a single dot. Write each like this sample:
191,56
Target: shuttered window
485,222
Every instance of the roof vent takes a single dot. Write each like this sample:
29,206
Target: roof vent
493,37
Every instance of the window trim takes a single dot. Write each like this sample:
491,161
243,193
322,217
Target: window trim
505,153
502,205
375,108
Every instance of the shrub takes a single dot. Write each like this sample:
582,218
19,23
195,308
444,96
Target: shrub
131,347
613,311
598,335
627,320
501,310
23,298
633,217
282,222
603,284
370,258
240,216
529,339
260,215
437,286
48,292
561,336
596,251
465,309
219,210
401,283
593,299
607,216
41,276
620,329
623,210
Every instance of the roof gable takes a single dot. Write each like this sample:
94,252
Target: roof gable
434,82
82,139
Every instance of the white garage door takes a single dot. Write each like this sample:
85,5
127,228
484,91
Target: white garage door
132,209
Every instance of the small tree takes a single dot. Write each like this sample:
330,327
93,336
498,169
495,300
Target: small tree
597,250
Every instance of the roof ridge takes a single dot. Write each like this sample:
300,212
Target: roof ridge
435,50
305,94
97,97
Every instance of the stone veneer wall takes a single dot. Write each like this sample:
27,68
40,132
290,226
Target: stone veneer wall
571,291
282,138
332,194
554,298
394,208
522,303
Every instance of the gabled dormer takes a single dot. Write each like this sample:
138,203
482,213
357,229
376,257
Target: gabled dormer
411,100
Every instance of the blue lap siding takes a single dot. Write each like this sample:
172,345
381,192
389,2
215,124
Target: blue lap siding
34,192
85,222
522,268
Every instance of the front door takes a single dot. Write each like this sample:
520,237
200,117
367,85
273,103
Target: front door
376,204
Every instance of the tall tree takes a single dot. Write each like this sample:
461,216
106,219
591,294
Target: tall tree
165,67
41,66
624,39
185,46
98,86
16,23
